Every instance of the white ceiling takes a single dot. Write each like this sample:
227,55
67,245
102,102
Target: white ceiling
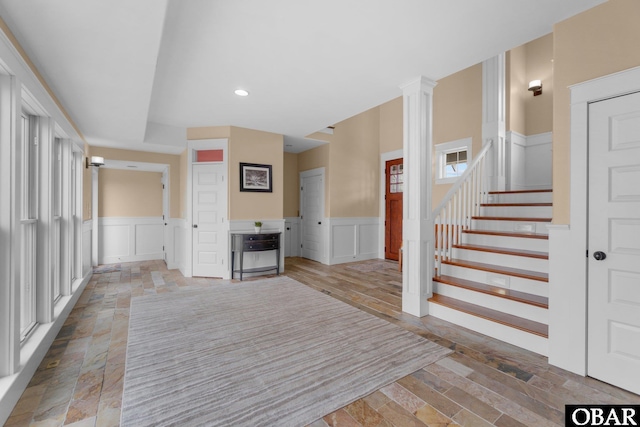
136,73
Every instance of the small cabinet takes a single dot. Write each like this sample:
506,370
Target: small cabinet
251,242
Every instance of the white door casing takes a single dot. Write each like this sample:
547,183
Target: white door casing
209,215
312,213
614,231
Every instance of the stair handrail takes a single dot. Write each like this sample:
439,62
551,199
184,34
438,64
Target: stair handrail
454,213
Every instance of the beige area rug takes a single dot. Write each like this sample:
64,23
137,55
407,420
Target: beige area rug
272,352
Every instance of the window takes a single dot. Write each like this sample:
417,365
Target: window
57,217
29,225
452,159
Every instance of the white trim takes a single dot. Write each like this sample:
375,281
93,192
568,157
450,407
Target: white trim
384,158
87,247
417,225
567,246
353,239
493,119
94,216
130,239
529,161
292,235
539,139
450,147
10,181
222,144
174,243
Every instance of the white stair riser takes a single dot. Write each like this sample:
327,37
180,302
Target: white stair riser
513,336
515,308
520,198
510,226
518,211
529,286
525,263
540,245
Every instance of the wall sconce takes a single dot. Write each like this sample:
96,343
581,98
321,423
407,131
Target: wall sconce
96,161
535,86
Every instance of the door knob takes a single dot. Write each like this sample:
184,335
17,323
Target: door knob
195,225
599,256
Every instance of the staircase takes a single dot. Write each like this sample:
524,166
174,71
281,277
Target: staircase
493,276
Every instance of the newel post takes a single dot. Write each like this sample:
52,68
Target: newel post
418,256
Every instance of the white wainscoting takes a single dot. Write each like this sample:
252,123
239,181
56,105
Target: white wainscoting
353,239
530,161
128,239
259,259
291,236
87,246
176,243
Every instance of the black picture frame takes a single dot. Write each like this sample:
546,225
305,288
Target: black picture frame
256,178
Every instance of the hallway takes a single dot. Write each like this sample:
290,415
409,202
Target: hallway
484,382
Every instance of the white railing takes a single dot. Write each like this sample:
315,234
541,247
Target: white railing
460,204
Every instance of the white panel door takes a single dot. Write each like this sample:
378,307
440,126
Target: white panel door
312,211
209,215
614,238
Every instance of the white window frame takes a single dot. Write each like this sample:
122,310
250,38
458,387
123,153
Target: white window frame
29,224
441,155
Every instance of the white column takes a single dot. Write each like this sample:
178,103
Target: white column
66,223
417,256
493,120
44,298
94,216
9,226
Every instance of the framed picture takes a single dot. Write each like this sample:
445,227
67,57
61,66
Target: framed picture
255,177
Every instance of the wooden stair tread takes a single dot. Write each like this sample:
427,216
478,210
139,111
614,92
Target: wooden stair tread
521,191
509,271
509,218
508,234
505,251
526,205
492,315
496,291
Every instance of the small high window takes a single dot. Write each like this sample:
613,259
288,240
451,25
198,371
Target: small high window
452,160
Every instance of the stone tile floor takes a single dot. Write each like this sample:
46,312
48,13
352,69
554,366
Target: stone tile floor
484,382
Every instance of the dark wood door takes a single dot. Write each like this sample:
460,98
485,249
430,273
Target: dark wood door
394,182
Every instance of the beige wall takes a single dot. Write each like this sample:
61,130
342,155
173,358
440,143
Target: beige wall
355,158
252,146
517,84
318,158
291,177
129,193
528,114
142,156
595,43
539,66
249,146
457,114
209,132
391,119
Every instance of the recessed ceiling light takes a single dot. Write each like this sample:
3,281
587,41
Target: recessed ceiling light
241,92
